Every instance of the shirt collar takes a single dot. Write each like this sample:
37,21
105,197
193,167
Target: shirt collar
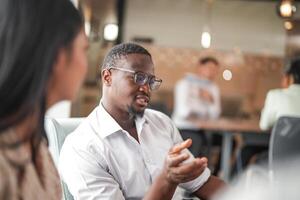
294,86
139,122
196,79
107,125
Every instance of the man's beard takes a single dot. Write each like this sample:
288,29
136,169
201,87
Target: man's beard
133,113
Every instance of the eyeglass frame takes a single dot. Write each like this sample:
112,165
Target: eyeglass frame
149,77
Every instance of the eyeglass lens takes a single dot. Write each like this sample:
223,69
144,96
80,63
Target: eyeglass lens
142,79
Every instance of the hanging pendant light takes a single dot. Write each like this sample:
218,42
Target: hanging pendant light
205,39
206,33
286,8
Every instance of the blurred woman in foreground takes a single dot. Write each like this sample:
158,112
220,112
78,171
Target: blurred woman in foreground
42,61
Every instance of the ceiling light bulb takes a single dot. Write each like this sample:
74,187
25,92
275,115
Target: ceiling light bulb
288,25
111,32
286,8
205,39
87,28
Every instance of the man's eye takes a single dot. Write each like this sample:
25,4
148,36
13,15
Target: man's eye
140,77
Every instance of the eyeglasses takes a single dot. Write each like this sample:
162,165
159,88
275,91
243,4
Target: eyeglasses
141,78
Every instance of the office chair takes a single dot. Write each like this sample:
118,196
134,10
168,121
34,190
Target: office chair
57,130
284,143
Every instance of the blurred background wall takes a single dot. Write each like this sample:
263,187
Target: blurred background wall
247,36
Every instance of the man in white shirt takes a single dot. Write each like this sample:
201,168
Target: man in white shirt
197,96
283,102
125,151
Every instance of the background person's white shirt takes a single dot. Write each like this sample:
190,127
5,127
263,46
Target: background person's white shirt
100,160
188,101
278,103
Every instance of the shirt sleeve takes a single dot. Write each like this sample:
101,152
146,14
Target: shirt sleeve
85,175
268,114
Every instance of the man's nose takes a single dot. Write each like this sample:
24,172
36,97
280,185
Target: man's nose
145,87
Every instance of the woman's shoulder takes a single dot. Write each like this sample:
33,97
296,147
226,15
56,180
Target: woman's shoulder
4,167
6,176
275,93
45,156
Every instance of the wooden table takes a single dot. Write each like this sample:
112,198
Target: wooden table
227,127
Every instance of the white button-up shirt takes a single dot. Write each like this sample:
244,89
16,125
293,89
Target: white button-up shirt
100,160
188,101
278,103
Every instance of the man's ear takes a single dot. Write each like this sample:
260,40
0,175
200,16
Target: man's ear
106,77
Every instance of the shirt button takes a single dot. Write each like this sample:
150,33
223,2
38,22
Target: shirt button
92,150
147,159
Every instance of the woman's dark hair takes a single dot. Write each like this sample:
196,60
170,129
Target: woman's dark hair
31,34
293,69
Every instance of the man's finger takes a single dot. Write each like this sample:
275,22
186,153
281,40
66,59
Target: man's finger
175,160
179,147
191,166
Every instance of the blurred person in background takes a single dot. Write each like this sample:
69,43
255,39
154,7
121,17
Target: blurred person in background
197,97
42,61
279,102
283,102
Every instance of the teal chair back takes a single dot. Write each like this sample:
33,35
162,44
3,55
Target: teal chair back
57,130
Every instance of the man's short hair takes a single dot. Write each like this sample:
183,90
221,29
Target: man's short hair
293,69
205,60
122,50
